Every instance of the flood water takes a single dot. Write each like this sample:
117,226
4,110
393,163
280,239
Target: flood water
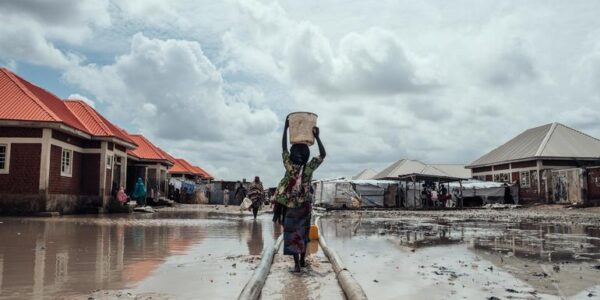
179,255
419,258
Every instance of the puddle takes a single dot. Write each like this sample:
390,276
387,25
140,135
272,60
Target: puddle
175,254
427,258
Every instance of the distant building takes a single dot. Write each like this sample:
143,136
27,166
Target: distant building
547,162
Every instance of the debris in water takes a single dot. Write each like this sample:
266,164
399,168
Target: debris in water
375,280
512,291
556,268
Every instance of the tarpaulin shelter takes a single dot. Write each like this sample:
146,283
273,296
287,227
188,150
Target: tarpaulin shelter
485,192
347,193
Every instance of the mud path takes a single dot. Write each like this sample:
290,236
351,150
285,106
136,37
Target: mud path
316,281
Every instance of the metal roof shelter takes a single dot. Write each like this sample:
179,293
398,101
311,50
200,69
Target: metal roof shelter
365,174
414,171
406,168
550,141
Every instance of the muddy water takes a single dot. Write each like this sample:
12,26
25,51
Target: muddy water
420,258
177,255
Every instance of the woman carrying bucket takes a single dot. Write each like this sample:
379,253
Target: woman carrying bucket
294,191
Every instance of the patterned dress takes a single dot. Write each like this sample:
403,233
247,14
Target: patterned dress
294,193
294,189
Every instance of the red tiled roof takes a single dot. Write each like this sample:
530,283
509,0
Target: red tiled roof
146,150
95,123
202,172
20,100
181,166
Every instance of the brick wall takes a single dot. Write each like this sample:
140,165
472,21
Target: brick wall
482,169
24,170
90,170
20,132
58,184
524,164
501,167
67,138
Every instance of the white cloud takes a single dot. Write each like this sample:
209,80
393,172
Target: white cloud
85,99
173,93
212,80
32,28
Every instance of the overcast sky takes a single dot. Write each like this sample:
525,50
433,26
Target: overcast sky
212,81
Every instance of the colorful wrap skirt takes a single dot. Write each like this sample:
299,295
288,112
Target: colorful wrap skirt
295,229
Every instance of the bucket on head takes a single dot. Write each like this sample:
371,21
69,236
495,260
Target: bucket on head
301,127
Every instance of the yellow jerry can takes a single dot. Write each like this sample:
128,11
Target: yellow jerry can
313,233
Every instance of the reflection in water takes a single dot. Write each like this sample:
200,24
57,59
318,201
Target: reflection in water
73,255
255,238
556,259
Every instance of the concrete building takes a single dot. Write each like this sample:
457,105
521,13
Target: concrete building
549,163
55,156
150,163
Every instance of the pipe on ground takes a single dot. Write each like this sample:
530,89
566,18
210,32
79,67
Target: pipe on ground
254,286
349,285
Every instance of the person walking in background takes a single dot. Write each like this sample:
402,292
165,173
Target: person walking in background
256,193
240,193
294,192
139,192
226,197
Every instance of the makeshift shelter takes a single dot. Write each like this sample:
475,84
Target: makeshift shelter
342,193
414,175
477,192
532,157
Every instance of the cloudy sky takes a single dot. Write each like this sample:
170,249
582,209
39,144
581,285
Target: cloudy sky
212,81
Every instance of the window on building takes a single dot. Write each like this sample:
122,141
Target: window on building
534,178
525,179
109,161
502,177
66,162
4,159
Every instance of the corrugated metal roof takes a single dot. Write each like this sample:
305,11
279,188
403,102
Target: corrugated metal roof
180,168
95,123
405,167
146,150
365,174
553,140
458,171
21,100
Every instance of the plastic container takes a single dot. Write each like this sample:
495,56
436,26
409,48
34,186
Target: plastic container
313,233
301,127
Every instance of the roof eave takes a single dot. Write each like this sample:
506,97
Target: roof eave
46,124
472,166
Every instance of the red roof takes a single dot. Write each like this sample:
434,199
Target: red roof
21,100
202,172
146,150
95,123
181,166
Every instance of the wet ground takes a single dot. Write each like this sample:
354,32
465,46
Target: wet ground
430,256
207,252
173,254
